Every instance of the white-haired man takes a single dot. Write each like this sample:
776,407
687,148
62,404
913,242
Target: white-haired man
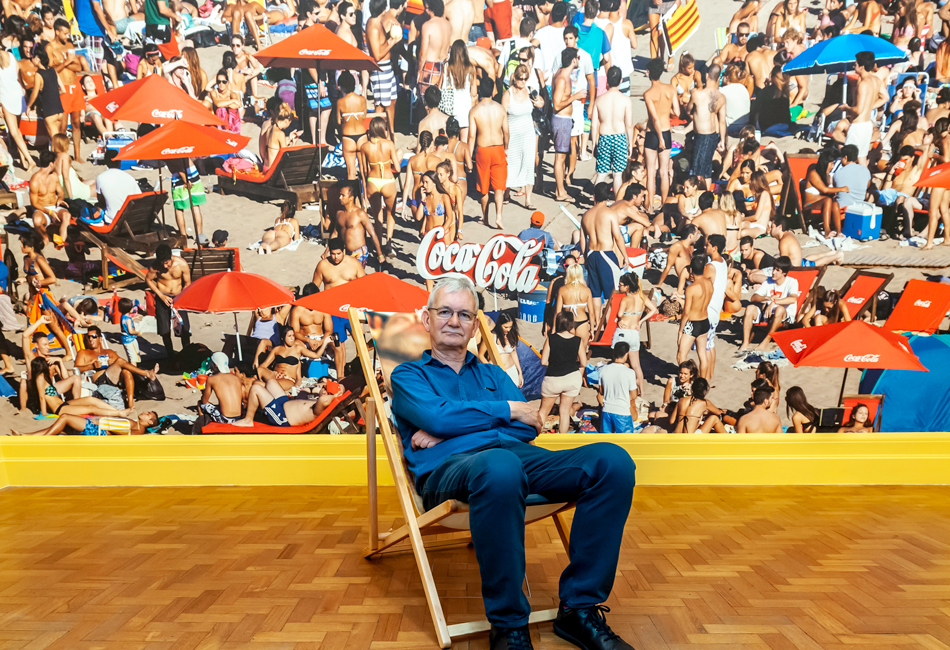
466,429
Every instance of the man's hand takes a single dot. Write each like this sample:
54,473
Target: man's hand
523,412
165,299
422,440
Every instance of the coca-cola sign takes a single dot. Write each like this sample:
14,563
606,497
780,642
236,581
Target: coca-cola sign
864,358
172,152
922,303
856,300
171,113
799,346
306,52
503,263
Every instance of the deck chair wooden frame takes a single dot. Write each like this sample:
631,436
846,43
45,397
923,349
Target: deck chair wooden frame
290,178
870,303
879,399
136,272
134,227
441,520
608,325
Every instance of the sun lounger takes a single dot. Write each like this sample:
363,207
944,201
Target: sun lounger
859,293
290,178
808,278
135,227
921,308
337,408
797,170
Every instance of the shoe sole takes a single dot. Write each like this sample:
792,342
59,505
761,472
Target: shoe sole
567,637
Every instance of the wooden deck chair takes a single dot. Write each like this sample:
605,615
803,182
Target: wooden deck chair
797,169
206,261
921,308
808,278
608,325
875,404
338,408
290,178
859,293
449,517
135,227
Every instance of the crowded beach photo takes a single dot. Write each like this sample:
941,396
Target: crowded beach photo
470,226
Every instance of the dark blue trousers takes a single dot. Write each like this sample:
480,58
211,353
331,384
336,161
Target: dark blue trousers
495,482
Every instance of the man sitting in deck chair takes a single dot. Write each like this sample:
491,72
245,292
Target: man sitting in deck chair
281,410
465,430
774,302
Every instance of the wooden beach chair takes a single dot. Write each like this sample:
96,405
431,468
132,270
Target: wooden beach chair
338,408
206,261
921,308
448,518
875,404
290,178
608,325
797,170
135,228
859,293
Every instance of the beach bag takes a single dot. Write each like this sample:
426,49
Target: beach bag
201,36
447,103
231,117
149,389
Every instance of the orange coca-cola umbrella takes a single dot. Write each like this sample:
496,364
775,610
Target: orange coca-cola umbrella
153,100
378,292
851,344
937,176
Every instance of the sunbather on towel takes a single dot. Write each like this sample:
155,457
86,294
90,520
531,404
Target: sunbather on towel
281,410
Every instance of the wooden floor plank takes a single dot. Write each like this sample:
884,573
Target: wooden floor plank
787,568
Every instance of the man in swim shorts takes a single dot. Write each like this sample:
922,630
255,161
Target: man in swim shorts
694,321
280,410
871,94
661,100
563,121
603,245
488,129
612,129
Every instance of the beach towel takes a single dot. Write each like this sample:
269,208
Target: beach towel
679,24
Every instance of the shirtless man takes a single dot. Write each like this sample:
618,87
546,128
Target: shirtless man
337,268
444,171
315,329
121,17
760,419
247,65
482,57
630,213
281,411
871,94
787,243
48,198
694,322
710,221
63,59
680,253
612,130
733,52
227,385
708,108
107,366
899,185
461,16
434,42
661,101
166,279
562,123
352,224
759,61
488,130
603,246
434,121
383,32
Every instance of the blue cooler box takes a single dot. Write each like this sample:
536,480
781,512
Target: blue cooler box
531,305
118,139
862,221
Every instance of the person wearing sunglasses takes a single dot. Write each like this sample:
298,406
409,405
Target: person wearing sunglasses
247,65
735,51
107,367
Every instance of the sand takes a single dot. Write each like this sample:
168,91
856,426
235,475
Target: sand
246,219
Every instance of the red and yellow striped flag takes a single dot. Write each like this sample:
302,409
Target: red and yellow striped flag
681,23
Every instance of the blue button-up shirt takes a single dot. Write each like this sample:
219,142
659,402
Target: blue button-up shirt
468,410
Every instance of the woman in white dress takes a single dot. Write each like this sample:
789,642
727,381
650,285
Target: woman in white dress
460,78
523,141
13,103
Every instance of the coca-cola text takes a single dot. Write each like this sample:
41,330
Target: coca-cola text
306,52
172,152
922,303
866,358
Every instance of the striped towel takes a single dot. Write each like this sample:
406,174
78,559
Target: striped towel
679,24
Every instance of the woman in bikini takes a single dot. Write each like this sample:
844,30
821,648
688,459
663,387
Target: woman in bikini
350,113
52,395
378,159
276,138
786,15
688,201
576,297
687,78
286,361
828,308
435,209
635,310
458,149
858,423
506,338
818,193
939,210
73,186
905,24
733,301
418,164
695,414
727,203
286,229
677,387
764,207
803,415
93,117
444,172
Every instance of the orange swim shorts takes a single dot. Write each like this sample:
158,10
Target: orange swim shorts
492,164
73,99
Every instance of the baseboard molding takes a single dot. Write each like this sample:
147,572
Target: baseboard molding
662,459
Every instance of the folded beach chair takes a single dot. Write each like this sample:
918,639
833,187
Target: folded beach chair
290,178
608,325
875,404
338,408
135,227
859,293
449,518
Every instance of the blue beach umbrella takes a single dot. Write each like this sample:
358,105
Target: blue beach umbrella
837,54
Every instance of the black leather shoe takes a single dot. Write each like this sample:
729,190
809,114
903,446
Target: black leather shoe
510,638
587,628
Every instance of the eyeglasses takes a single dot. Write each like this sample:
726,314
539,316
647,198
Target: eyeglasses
444,313
236,45
92,337
743,34
222,81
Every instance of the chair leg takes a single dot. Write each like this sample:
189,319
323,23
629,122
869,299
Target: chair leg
428,585
369,417
563,530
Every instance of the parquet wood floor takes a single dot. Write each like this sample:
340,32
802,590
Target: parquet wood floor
281,568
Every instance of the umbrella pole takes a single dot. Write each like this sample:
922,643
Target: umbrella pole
844,380
319,123
237,337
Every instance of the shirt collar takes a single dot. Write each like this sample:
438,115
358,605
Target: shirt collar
428,359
